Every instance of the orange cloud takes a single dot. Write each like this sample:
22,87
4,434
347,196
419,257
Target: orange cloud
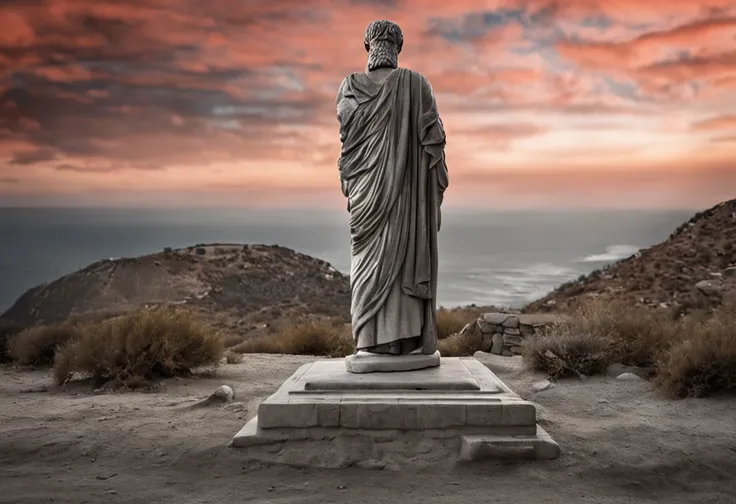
166,97
716,123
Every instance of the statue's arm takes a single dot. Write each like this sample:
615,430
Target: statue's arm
338,100
434,143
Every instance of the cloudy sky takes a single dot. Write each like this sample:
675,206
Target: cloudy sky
604,103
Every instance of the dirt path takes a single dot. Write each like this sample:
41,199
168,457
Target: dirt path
621,443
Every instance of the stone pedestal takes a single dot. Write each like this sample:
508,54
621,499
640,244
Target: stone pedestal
324,415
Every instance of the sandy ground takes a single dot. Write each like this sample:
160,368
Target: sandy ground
621,443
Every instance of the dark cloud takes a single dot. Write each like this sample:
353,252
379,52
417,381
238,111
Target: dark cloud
32,157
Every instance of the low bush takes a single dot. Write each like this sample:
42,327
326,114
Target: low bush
692,356
134,348
459,345
233,357
7,331
562,350
703,361
329,338
37,346
451,322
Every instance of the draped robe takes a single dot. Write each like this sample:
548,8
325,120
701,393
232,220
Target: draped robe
393,173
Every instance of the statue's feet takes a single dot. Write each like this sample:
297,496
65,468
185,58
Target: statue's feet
367,362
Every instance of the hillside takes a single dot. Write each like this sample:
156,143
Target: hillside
692,269
240,288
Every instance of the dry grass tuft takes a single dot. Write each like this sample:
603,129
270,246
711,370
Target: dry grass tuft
7,331
230,340
450,322
703,361
561,350
139,346
460,345
323,337
233,357
689,357
37,346
600,334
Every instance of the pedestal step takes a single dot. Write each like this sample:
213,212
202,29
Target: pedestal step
327,416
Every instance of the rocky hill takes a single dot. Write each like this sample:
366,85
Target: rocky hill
240,288
695,268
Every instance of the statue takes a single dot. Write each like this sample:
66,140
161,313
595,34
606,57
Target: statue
393,174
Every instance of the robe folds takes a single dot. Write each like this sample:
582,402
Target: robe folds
393,173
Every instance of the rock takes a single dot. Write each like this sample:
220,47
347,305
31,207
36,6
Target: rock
200,251
511,340
507,353
512,321
486,342
495,318
708,287
526,330
517,350
729,272
542,386
497,344
512,331
485,327
630,377
617,369
224,392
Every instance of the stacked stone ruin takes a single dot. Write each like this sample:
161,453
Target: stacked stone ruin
503,333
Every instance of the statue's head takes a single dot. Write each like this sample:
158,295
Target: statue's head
383,41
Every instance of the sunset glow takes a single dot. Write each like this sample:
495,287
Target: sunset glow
603,103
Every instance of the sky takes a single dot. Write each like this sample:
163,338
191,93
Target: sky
546,104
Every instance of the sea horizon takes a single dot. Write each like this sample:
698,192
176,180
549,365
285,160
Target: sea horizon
500,257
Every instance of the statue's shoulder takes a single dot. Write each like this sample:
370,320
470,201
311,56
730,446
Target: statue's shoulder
423,81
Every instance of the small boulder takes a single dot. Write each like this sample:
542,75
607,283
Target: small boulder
224,393
729,272
631,377
512,322
542,386
617,369
497,344
708,287
495,318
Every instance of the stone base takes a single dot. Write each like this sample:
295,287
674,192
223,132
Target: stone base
366,362
324,415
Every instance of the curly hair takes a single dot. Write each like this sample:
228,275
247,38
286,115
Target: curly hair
383,41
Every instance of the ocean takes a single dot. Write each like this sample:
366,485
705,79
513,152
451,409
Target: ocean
502,258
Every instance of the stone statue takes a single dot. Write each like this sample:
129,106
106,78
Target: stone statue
393,173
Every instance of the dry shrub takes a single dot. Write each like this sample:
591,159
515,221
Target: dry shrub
7,331
233,357
600,334
459,345
703,361
321,337
37,346
562,350
691,357
453,321
138,346
230,340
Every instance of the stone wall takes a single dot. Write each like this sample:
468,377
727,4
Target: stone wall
503,333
